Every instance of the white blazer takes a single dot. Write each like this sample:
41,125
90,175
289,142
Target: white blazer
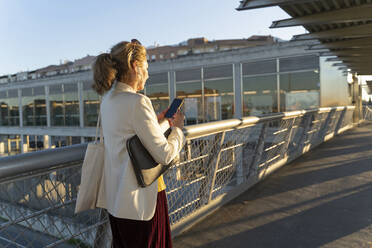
125,113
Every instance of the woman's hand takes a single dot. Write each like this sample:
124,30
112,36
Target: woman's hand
161,116
177,120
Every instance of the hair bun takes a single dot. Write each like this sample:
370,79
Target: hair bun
104,73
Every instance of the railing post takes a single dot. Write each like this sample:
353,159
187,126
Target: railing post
213,164
326,125
287,137
340,121
258,149
304,136
239,158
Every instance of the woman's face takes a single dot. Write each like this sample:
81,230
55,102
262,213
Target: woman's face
143,75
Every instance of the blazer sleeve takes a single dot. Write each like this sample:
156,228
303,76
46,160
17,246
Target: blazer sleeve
148,130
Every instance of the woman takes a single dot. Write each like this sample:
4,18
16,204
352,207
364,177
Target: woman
138,216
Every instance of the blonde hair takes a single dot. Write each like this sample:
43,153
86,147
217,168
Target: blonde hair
116,65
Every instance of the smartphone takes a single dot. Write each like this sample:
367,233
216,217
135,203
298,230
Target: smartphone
176,104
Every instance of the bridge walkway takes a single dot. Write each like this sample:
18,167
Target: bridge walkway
322,199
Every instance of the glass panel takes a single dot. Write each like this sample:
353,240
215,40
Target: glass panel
193,106
13,114
219,99
56,105
3,108
60,141
158,78
87,85
299,63
71,103
259,67
299,90
159,96
188,75
40,106
34,142
259,95
91,104
11,145
218,71
64,105
28,107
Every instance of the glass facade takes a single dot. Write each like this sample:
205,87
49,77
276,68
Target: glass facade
268,86
208,93
34,106
71,104
218,93
10,145
60,141
260,95
56,105
9,110
191,92
4,109
91,104
157,89
297,78
299,90
189,88
64,105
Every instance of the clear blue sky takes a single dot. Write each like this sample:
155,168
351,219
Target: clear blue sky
38,33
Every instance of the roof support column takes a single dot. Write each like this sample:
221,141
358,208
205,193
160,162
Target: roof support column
357,99
171,85
238,90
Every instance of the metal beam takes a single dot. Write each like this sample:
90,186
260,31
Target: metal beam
350,43
360,53
357,60
367,66
333,59
319,50
357,13
338,64
255,4
351,58
354,50
348,32
361,67
361,70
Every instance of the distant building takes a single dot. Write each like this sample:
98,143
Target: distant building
189,47
202,45
52,70
83,64
4,79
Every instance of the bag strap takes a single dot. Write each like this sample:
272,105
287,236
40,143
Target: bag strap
99,127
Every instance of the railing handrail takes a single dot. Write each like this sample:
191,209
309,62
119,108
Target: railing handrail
27,163
208,128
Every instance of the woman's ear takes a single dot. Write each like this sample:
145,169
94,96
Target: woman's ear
134,66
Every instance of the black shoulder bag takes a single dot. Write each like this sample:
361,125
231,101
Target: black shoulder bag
147,170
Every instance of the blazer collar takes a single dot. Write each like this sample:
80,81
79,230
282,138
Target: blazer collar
124,87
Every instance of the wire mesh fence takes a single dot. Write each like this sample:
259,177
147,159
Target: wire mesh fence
37,210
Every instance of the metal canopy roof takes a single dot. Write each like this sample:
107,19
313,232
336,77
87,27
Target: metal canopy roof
343,27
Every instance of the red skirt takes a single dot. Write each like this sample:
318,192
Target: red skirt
154,233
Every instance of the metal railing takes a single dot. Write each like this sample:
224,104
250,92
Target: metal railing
219,161
367,112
